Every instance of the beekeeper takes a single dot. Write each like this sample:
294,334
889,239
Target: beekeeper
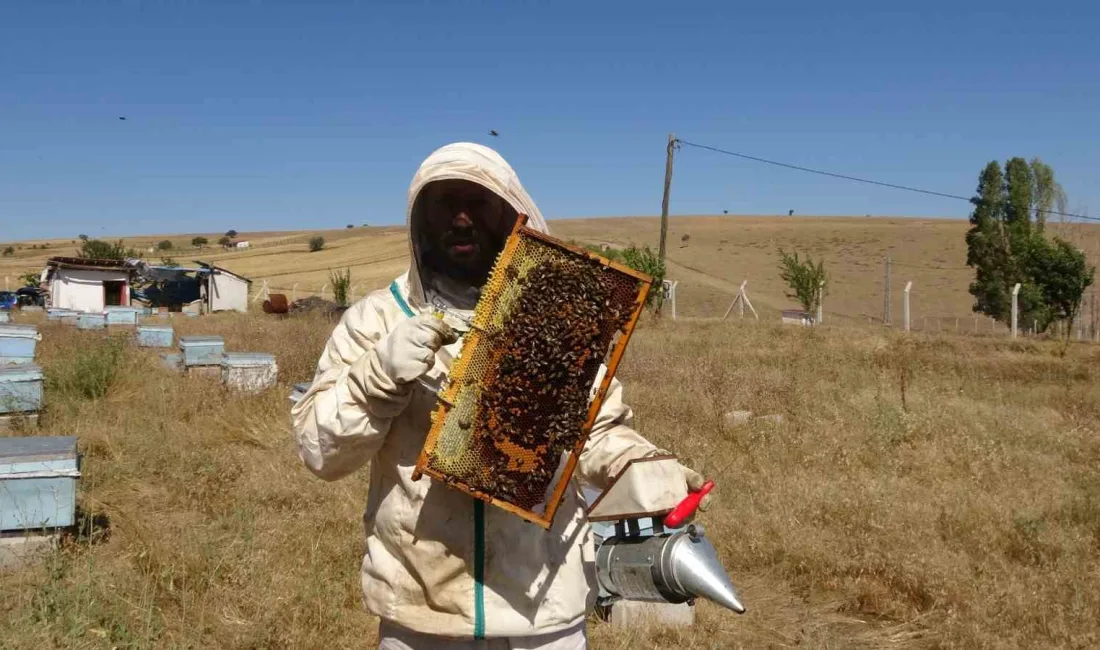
441,569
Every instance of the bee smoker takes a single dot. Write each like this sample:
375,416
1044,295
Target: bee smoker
645,551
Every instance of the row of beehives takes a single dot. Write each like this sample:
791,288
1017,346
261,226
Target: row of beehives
205,355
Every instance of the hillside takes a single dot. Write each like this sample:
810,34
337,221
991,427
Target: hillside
708,255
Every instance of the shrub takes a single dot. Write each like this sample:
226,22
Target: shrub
316,244
350,226
648,262
231,233
341,286
98,249
199,242
225,240
164,245
806,280
9,251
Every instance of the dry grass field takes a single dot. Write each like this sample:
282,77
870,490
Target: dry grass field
709,256
923,491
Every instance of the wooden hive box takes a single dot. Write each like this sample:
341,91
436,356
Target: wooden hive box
155,336
202,350
249,372
91,321
119,315
38,477
17,344
20,389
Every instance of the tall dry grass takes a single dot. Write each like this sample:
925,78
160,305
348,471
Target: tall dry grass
920,492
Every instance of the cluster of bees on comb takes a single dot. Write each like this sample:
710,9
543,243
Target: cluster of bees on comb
549,351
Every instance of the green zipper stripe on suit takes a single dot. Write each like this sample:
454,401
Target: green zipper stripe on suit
479,521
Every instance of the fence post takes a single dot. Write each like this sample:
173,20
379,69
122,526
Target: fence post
1015,309
905,305
323,287
668,292
820,302
294,293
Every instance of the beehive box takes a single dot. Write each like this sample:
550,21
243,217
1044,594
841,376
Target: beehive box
58,313
172,360
38,477
202,350
522,397
155,336
5,316
120,315
249,372
20,389
298,392
91,321
17,344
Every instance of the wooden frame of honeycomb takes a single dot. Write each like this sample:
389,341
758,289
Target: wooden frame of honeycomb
505,428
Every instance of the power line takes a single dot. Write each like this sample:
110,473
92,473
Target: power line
860,180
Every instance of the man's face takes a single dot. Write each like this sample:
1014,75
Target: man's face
465,226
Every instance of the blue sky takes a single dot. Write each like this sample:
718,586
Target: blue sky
279,115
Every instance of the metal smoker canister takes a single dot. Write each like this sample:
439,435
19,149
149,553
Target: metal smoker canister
672,568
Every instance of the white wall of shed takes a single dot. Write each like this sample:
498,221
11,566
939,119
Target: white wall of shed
81,289
227,293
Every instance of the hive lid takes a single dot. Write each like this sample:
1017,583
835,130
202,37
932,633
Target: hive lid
201,340
244,359
19,332
122,308
154,328
41,447
21,372
93,314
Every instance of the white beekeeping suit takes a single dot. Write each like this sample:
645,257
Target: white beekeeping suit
438,562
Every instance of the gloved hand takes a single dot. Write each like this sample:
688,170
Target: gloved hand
408,351
693,479
695,483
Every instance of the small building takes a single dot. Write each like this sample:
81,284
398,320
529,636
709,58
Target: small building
242,244
87,285
221,289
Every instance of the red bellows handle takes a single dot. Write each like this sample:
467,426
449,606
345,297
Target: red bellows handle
684,509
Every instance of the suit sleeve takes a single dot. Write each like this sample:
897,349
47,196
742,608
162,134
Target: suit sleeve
613,442
342,420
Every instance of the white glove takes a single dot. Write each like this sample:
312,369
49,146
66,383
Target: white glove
695,483
408,351
694,480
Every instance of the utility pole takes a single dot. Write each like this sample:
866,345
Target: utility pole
668,188
664,207
886,296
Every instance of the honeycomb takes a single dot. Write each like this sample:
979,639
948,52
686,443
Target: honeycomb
521,397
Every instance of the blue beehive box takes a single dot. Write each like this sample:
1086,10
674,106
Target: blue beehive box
20,389
91,321
172,360
122,315
202,350
17,343
155,336
58,313
38,477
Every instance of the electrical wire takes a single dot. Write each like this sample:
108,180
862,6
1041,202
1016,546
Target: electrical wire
857,179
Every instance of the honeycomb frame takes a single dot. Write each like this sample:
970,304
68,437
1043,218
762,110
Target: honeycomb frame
450,453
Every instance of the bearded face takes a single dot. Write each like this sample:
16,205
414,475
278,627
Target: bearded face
462,229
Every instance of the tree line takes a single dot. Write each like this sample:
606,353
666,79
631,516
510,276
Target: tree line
1007,244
